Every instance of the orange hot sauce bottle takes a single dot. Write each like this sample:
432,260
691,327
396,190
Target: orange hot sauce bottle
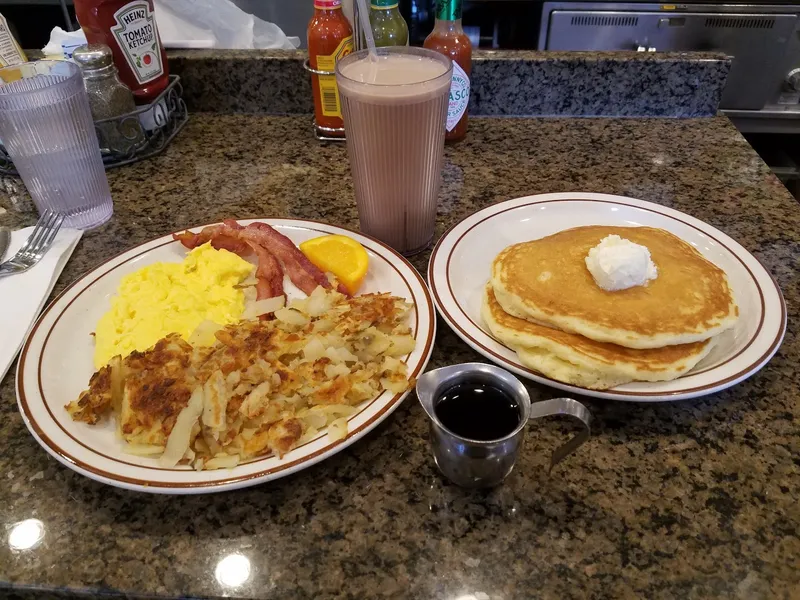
448,38
330,38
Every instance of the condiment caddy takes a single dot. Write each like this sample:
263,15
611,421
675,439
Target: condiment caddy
331,37
156,124
322,132
136,105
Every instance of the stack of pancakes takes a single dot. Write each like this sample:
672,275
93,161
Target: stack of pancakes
543,303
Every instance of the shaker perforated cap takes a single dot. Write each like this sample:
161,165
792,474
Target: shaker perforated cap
93,56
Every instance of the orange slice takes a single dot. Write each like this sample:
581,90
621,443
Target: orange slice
340,255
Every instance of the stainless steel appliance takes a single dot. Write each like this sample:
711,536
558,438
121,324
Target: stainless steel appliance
506,24
763,89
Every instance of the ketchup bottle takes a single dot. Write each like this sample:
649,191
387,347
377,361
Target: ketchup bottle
330,38
448,38
129,29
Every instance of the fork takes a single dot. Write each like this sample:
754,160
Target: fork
36,246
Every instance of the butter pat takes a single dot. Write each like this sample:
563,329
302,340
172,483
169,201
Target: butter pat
619,264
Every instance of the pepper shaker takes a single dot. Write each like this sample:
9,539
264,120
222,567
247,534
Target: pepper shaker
109,98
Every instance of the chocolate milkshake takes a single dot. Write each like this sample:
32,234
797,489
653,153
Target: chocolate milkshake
394,112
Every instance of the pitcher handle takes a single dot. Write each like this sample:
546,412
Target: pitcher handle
572,408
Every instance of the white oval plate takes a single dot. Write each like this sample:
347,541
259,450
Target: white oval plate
460,267
56,363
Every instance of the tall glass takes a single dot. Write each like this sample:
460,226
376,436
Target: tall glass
395,113
47,129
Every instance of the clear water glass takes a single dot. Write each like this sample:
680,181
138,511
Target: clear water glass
47,129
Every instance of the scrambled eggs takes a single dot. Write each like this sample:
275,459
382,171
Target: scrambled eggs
169,298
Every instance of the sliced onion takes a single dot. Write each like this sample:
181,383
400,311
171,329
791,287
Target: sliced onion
291,317
263,307
248,281
142,449
337,430
318,302
215,402
314,349
203,335
221,462
180,436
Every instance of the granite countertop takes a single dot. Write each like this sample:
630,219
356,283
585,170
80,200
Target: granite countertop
503,82
680,500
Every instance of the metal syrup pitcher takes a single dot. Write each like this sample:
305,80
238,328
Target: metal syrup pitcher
475,463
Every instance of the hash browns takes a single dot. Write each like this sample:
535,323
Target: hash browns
263,387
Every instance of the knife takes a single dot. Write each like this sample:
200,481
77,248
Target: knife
5,240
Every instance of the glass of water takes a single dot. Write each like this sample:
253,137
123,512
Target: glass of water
47,129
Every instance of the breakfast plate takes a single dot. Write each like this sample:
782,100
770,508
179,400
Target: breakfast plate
461,262
56,363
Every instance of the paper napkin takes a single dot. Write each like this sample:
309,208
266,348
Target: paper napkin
22,296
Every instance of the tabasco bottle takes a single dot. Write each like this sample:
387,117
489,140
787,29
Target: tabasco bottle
330,38
129,29
448,37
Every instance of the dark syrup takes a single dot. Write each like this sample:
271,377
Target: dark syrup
477,411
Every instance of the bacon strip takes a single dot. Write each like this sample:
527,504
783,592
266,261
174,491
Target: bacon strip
268,273
303,273
270,246
217,236
232,224
293,260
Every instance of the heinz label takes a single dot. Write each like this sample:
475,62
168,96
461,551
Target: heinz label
459,96
137,36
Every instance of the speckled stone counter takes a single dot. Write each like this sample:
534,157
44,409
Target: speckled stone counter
686,500
518,83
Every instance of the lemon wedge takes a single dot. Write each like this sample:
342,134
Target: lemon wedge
340,255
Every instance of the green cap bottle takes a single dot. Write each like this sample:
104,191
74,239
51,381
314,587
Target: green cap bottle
388,26
448,10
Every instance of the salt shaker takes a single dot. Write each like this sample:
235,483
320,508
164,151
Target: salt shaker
109,98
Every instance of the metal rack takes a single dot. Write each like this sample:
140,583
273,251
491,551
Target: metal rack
155,124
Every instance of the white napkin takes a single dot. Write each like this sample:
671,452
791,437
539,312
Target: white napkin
22,296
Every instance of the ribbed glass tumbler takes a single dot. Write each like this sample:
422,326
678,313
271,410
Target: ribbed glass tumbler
47,129
395,111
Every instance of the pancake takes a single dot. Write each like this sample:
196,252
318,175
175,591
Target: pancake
577,360
546,281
